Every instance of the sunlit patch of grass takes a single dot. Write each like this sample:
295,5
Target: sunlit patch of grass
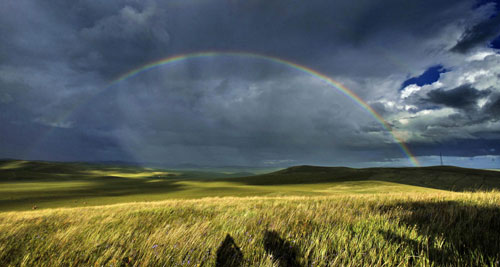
135,175
370,187
13,165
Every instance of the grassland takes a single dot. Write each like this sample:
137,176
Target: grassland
28,184
300,216
421,229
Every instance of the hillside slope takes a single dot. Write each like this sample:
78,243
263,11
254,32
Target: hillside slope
30,184
437,177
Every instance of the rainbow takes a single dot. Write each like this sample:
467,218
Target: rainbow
344,90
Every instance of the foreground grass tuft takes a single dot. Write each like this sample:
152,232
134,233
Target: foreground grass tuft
426,229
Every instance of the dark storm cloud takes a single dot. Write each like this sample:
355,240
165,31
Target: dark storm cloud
57,56
492,108
39,141
114,36
255,120
348,32
479,34
131,36
463,97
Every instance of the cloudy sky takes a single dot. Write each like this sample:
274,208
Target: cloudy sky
430,68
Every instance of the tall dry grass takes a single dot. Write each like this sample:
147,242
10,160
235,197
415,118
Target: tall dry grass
421,229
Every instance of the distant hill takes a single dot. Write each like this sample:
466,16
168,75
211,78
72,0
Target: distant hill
24,170
437,177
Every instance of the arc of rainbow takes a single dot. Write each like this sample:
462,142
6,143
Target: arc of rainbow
344,90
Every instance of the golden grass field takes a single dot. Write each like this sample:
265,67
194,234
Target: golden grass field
421,229
327,223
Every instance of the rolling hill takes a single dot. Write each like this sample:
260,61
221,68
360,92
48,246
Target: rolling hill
437,177
35,184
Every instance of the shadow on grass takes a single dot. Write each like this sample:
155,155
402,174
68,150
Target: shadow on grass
458,234
229,254
282,251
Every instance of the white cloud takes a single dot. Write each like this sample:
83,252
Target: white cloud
471,77
480,56
481,102
409,90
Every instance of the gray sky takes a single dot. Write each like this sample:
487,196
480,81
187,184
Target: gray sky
430,68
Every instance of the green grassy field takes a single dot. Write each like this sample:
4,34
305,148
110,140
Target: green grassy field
300,216
25,184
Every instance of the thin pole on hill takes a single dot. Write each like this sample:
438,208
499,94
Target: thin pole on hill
441,157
